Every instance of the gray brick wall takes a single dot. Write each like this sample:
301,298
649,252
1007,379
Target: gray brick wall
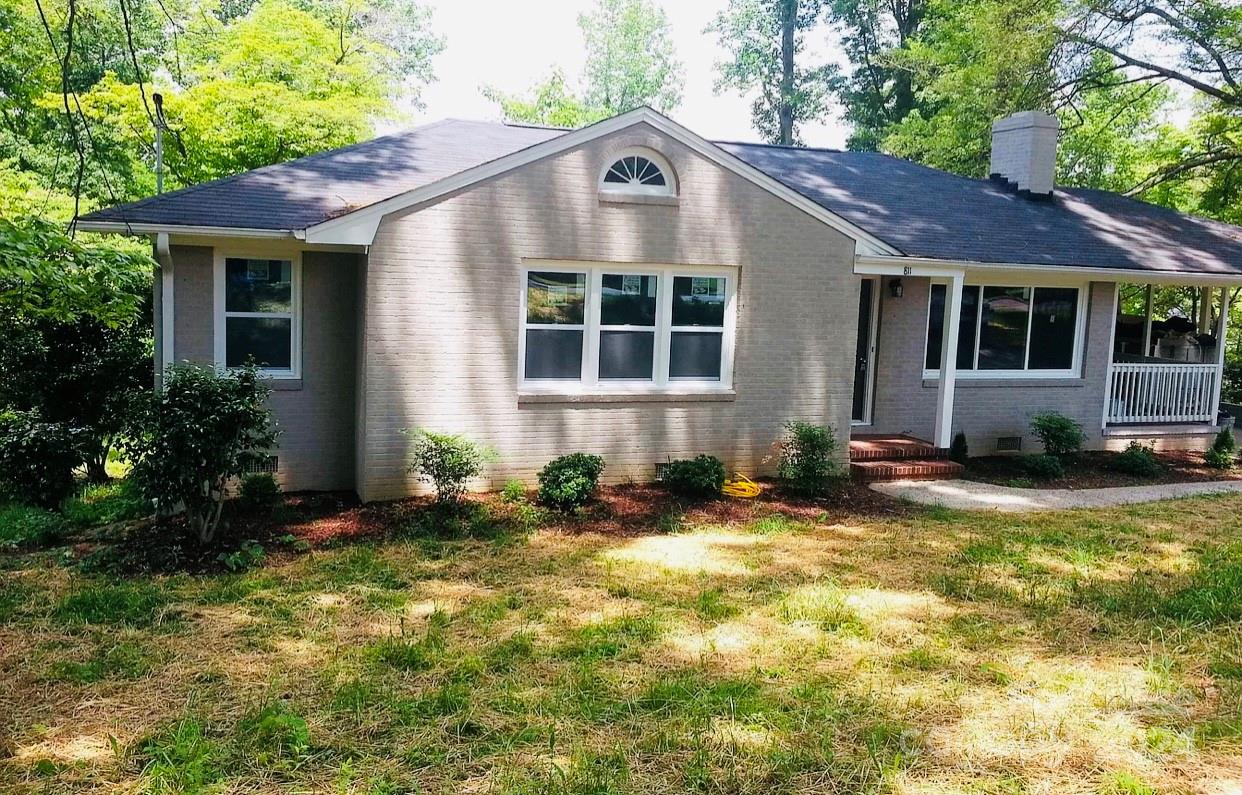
441,333
984,410
316,413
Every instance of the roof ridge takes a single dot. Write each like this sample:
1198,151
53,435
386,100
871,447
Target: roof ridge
791,146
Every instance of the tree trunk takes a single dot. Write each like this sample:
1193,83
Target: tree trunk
96,464
785,111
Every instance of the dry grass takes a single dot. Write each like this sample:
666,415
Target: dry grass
927,652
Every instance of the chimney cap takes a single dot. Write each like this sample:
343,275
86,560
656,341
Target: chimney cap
1025,119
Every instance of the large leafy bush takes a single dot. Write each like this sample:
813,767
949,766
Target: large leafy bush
1061,436
807,464
569,481
200,431
75,332
37,458
700,477
447,461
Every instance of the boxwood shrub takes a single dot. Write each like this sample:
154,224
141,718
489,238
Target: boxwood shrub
569,481
699,478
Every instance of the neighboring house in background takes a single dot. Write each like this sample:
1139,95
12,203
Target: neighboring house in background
633,290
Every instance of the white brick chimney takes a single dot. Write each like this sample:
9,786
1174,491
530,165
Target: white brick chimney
1024,150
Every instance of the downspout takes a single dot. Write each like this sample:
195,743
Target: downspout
163,307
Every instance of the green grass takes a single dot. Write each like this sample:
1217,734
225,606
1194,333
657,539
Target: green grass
105,503
959,652
25,525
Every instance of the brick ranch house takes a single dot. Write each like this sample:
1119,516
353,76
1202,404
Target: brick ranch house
634,290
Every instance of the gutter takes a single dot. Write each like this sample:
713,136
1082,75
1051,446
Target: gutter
124,228
868,264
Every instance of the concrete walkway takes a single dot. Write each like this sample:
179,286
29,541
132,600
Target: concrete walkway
971,496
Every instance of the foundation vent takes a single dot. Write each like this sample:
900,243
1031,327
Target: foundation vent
1008,444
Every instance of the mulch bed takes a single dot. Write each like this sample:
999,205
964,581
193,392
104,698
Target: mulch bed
1094,470
316,520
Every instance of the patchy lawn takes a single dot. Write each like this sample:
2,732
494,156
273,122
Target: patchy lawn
757,648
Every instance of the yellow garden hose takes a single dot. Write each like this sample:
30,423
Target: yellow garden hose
741,486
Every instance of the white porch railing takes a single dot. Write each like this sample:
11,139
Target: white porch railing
1150,393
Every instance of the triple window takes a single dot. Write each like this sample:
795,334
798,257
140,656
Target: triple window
619,326
1010,330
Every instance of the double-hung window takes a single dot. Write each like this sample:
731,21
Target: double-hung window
257,317
626,328
1009,331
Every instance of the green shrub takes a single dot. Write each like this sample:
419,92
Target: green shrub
1043,467
514,491
700,477
37,458
959,451
1061,436
1139,460
26,525
807,465
1223,451
104,503
569,481
447,461
190,439
259,491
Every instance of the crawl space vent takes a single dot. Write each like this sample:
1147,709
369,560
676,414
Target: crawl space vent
1008,444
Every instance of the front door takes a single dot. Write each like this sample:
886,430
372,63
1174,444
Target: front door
865,354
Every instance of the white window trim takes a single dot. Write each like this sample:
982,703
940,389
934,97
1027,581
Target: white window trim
591,383
669,188
220,315
1080,336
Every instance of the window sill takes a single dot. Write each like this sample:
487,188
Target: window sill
284,384
1059,382
621,197
672,396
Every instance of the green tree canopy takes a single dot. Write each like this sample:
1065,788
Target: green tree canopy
630,62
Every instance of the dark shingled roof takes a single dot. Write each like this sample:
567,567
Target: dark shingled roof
918,210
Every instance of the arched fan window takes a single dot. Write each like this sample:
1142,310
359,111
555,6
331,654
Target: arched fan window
639,173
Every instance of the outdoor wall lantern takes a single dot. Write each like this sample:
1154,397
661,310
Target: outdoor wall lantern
895,289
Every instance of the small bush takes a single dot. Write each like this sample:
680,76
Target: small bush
247,556
1138,460
700,477
1223,451
37,458
259,491
26,525
1061,436
1043,467
569,481
514,491
447,461
807,464
959,451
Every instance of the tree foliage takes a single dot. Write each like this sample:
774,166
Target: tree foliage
766,41
630,62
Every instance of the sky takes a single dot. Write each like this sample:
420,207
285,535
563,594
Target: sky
511,44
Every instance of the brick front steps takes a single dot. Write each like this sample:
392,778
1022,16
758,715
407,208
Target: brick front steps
881,458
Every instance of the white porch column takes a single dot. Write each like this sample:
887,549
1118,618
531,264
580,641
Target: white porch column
1222,327
163,309
948,361
1147,324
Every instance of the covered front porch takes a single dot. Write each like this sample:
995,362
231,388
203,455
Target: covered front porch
1168,355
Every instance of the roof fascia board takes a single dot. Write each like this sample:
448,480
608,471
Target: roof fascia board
881,265
123,227
359,226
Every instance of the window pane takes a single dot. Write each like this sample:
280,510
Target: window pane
698,301
628,300
552,354
269,340
258,285
555,297
965,332
1054,314
695,355
1002,328
626,354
